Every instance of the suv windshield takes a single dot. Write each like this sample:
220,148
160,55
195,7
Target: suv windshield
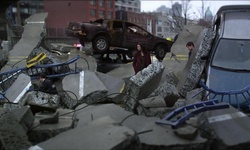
232,54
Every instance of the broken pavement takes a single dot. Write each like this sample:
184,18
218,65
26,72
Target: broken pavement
117,110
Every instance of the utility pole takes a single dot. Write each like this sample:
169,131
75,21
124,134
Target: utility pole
202,9
18,17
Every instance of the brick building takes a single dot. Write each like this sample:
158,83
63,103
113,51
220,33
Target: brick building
144,20
60,13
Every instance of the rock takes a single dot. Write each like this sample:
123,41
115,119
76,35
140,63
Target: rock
12,134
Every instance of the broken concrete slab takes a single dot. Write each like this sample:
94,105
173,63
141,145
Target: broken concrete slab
14,94
3,57
180,103
87,113
154,136
24,117
168,92
88,48
172,78
102,133
12,134
42,132
85,62
153,107
188,130
34,32
151,135
142,85
113,84
124,71
41,98
154,112
61,47
84,87
193,69
227,127
153,102
191,98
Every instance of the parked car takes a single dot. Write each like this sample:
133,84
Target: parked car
108,34
227,73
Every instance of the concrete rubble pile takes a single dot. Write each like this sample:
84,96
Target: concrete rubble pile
195,68
97,111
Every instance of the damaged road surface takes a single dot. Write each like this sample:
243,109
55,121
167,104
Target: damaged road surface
115,110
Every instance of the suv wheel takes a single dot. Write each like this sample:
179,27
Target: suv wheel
160,52
101,44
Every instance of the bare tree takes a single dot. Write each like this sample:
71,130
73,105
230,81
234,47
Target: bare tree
185,9
179,14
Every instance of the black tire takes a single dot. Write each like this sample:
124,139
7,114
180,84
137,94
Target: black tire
160,52
101,44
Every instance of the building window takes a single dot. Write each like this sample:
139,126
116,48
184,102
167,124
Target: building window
165,29
109,4
24,10
159,23
32,11
14,9
101,14
109,15
159,29
92,13
92,2
101,3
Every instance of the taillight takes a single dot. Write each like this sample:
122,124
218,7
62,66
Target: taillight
77,45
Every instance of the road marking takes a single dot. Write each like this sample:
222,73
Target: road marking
81,84
226,117
122,88
22,93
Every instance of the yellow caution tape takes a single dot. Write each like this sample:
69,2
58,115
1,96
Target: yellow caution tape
35,60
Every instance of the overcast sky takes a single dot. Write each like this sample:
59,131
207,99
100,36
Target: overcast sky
195,5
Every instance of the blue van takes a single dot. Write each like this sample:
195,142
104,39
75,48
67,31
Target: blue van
227,72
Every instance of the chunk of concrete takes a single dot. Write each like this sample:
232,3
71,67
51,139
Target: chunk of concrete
85,62
87,113
12,134
152,135
154,112
191,98
61,47
172,78
113,84
142,84
41,98
34,32
18,89
102,133
24,117
42,132
153,102
189,130
86,86
168,92
229,128
193,69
